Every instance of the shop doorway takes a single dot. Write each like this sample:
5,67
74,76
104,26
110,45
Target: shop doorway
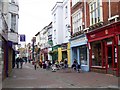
110,56
109,59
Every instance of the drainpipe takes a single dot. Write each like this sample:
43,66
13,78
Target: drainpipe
109,9
85,13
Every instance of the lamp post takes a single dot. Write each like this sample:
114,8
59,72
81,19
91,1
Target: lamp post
33,42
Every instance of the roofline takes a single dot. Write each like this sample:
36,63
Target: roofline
56,5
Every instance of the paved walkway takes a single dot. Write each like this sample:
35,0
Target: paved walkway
41,78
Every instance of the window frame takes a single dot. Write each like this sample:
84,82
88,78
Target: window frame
94,6
77,21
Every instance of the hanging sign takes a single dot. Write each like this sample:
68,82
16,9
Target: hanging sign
22,38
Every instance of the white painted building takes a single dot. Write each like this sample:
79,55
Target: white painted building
61,22
43,38
50,41
66,21
10,12
57,17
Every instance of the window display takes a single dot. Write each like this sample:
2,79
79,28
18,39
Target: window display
96,54
83,55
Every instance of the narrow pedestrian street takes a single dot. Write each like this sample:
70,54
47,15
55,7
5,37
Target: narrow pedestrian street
27,77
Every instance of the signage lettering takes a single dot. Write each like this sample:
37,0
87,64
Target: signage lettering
109,43
106,31
78,40
92,36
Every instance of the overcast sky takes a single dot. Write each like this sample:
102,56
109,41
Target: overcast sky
33,16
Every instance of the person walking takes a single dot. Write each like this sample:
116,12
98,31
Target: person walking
17,62
66,63
21,62
35,65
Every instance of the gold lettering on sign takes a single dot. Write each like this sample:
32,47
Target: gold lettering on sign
92,36
106,31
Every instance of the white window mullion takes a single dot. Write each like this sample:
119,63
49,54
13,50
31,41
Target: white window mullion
101,18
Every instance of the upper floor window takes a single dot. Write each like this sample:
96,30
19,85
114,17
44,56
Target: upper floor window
66,12
75,2
95,8
13,21
12,1
77,21
55,34
55,17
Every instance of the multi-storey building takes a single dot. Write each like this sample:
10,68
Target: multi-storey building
50,41
61,30
42,42
3,39
104,36
79,26
99,20
57,17
9,33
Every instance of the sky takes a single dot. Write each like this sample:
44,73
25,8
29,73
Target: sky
34,15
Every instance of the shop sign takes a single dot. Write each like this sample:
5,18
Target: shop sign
92,36
115,55
78,40
119,41
22,38
106,31
109,43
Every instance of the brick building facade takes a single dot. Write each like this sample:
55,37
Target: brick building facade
101,25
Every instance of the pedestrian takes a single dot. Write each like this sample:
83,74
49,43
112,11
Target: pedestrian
21,62
61,64
66,63
40,63
35,64
74,65
44,65
17,62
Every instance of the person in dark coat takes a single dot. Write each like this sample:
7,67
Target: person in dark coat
21,62
17,62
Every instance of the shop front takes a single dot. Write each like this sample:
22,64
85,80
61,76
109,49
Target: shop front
104,49
64,53
44,54
80,52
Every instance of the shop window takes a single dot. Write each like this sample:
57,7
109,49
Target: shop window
96,54
83,55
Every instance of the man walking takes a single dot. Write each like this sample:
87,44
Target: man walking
21,62
17,62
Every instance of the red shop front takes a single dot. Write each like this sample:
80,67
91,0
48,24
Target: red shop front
104,48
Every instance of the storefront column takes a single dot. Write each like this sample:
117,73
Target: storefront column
106,56
71,57
117,49
90,57
113,51
59,54
7,46
68,53
102,53
78,55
